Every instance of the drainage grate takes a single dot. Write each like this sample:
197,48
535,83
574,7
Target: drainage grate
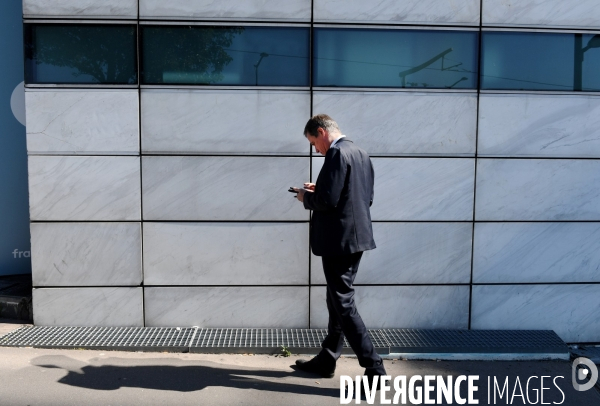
116,338
305,341
474,341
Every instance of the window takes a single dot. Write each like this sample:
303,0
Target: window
80,54
220,55
440,59
540,61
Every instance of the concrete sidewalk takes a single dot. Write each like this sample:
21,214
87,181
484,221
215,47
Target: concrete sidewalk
74,377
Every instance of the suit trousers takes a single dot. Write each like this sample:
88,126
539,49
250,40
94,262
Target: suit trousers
344,320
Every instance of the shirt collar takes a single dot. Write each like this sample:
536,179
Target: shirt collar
334,142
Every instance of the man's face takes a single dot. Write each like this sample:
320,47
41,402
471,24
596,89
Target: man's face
321,143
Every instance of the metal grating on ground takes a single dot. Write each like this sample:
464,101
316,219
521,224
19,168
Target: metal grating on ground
474,341
307,341
117,338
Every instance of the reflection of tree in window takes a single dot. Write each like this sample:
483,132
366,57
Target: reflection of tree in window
107,53
186,54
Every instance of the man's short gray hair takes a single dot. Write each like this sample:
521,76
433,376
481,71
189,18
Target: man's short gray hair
320,121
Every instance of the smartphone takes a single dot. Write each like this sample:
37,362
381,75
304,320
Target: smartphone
292,190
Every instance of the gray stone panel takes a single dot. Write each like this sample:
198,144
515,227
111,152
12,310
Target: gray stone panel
423,189
536,252
538,189
390,11
110,307
292,10
227,307
411,253
570,310
431,307
81,8
533,125
225,253
547,13
224,121
86,254
404,123
82,122
222,188
84,188
420,188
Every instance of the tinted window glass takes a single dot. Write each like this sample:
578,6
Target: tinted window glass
203,55
80,53
395,58
540,61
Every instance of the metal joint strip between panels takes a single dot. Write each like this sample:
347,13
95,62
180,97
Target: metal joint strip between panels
270,340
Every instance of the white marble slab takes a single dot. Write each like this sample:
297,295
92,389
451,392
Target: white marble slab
538,189
225,253
536,252
423,189
410,253
82,121
533,125
201,121
84,188
227,307
570,310
546,13
392,11
107,307
295,10
222,188
404,123
86,254
431,307
81,8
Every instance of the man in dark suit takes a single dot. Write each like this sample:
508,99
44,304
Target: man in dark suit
340,230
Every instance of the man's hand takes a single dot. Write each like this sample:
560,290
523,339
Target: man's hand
309,186
301,192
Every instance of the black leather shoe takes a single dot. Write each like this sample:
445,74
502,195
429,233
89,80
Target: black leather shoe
317,366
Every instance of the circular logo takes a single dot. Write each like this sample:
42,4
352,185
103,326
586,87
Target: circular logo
17,102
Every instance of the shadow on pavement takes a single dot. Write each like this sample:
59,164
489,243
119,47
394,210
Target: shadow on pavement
171,374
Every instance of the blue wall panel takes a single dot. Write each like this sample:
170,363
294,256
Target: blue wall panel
14,204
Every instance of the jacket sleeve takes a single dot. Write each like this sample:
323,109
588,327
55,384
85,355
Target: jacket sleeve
330,183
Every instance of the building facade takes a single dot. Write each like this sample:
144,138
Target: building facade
162,138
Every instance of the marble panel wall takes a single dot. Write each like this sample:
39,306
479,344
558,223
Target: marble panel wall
224,121
84,188
404,123
76,121
546,13
538,189
81,8
222,188
539,125
413,253
536,252
225,253
570,310
86,254
464,12
227,307
431,307
423,189
282,10
110,306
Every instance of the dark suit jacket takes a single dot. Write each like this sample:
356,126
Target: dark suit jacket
341,220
